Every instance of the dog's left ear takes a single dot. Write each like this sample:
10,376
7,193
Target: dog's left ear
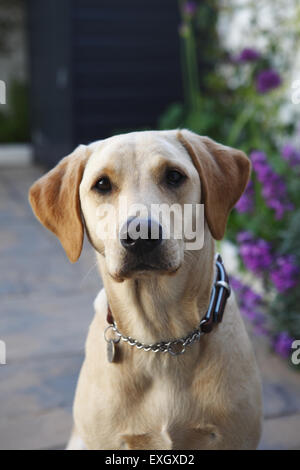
54,199
224,173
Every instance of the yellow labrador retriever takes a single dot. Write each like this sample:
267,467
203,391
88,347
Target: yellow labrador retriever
152,377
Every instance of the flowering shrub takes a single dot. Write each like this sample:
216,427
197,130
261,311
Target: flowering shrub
255,253
270,247
252,307
273,187
238,101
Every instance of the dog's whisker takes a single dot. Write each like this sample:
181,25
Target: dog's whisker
88,273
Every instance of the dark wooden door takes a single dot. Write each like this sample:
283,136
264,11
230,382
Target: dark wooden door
100,67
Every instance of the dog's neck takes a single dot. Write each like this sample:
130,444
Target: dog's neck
156,308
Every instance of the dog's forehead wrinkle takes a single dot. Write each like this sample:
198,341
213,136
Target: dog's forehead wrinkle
115,158
155,144
138,151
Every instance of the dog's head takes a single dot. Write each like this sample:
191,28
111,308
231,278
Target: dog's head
120,189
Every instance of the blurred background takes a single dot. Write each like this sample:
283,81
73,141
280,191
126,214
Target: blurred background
73,71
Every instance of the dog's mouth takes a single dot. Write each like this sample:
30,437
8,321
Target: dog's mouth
159,262
145,267
141,269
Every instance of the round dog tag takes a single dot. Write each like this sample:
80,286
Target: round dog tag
110,350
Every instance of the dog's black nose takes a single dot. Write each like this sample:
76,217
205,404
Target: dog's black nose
140,235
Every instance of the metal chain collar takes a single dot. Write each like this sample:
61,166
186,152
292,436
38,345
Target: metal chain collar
174,347
220,293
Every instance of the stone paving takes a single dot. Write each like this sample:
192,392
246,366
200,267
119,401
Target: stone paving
46,305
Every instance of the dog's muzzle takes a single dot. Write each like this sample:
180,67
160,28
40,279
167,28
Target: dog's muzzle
140,236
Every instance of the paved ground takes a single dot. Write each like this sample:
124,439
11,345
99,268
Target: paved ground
45,310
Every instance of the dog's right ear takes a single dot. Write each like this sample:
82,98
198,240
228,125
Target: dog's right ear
55,201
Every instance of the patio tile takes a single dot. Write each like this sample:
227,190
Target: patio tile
281,433
40,384
46,305
281,382
23,239
48,271
50,429
46,324
280,399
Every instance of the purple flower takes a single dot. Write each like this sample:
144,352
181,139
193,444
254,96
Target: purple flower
283,343
255,253
280,207
273,187
285,274
267,80
252,298
246,201
260,165
248,55
236,284
248,313
245,237
260,329
250,304
291,155
258,157
190,8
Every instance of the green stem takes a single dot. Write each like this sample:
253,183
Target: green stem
189,64
239,124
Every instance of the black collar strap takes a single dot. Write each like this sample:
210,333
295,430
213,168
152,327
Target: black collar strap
219,295
220,292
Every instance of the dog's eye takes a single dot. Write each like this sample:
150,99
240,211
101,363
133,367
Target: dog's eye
174,177
103,185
